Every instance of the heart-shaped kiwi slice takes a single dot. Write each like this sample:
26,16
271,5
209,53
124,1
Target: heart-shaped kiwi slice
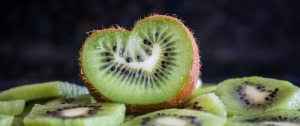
154,66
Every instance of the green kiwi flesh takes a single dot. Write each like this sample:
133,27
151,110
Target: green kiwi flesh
205,88
43,90
148,65
271,118
6,120
208,102
100,114
257,94
13,107
177,117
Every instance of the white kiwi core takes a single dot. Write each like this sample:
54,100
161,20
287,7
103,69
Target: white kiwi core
170,121
255,95
74,112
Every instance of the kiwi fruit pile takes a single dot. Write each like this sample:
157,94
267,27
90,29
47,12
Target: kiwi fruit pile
149,76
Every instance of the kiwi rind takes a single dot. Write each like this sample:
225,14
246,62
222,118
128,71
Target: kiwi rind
207,119
109,114
6,120
286,95
12,107
208,102
182,95
43,90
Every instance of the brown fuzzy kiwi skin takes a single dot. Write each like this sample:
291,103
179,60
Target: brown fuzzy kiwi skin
177,101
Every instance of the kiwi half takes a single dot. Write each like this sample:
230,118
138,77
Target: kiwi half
154,66
98,114
43,90
257,94
177,117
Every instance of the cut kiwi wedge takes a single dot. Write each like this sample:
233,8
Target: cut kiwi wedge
271,118
153,66
13,107
208,102
99,114
6,120
43,90
205,88
257,94
177,117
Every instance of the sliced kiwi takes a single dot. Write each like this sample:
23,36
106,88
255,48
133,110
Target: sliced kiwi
205,88
271,118
154,64
100,114
6,120
81,99
43,90
177,117
13,107
257,94
208,102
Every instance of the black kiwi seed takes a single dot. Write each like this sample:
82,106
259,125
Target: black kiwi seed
114,48
128,60
146,42
156,34
112,68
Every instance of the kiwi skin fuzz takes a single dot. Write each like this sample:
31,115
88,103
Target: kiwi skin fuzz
177,101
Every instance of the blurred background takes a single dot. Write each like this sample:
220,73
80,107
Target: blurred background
40,40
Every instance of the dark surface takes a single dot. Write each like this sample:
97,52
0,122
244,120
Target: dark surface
40,40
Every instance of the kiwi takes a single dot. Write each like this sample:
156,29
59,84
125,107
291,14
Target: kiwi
177,117
271,118
43,90
154,66
205,88
100,114
81,99
13,107
247,95
208,102
6,120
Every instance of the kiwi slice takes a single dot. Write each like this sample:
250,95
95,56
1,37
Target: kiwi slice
153,66
43,90
104,114
81,99
271,118
257,94
6,120
205,88
13,107
177,117
208,102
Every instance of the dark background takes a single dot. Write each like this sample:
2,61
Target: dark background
40,40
